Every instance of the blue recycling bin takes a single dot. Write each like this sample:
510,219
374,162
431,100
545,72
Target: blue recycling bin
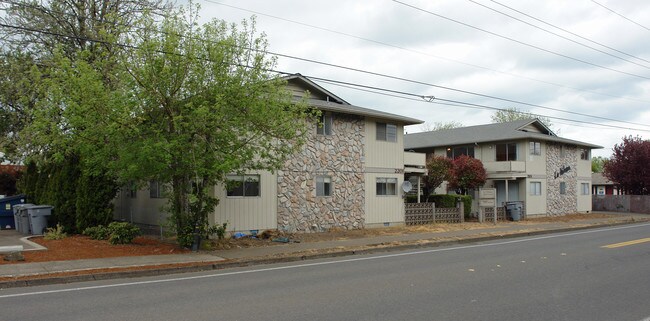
7,204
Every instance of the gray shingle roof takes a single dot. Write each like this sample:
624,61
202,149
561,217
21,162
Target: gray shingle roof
486,133
338,105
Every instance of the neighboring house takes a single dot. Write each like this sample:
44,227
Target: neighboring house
349,175
601,185
524,160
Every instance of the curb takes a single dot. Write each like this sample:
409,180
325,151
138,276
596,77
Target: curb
220,265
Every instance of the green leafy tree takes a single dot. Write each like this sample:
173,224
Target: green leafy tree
598,164
190,104
514,113
429,127
467,173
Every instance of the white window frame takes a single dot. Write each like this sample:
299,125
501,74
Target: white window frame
386,132
324,126
324,186
585,154
535,188
508,147
244,180
535,148
386,186
584,189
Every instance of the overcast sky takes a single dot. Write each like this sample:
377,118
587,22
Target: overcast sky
415,41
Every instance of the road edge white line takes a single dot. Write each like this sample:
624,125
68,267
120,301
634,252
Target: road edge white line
357,259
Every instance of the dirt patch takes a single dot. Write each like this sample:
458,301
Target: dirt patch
78,247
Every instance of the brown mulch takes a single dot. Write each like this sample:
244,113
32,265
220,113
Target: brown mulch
77,247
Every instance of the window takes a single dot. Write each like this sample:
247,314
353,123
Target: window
132,190
386,186
535,188
324,126
584,187
455,152
243,185
562,188
323,186
506,152
387,132
156,190
584,153
535,148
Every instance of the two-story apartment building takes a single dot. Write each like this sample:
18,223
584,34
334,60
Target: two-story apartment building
347,175
524,161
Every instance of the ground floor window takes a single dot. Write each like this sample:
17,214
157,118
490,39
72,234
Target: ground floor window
323,186
386,186
585,188
243,185
562,188
535,188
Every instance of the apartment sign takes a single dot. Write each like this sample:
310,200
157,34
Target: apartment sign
562,171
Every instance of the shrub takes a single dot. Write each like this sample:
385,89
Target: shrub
122,232
55,233
447,200
219,230
115,233
99,232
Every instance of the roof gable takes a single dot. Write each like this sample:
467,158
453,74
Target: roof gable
298,84
525,129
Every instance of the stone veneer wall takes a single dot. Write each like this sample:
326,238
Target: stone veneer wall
340,156
561,169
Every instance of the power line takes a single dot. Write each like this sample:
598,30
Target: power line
559,35
346,68
464,104
570,32
521,42
622,16
427,54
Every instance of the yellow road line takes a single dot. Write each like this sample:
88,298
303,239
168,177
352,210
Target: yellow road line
613,246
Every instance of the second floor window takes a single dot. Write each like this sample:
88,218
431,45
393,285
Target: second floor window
324,126
387,132
584,153
455,152
156,189
535,148
506,152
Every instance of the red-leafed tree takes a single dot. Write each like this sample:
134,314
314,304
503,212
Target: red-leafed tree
628,166
466,173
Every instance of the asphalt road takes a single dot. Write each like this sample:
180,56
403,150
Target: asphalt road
568,276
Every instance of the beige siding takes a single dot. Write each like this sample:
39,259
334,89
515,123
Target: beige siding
141,209
381,209
382,154
535,204
584,201
249,213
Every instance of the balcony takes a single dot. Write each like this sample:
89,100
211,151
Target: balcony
414,162
505,167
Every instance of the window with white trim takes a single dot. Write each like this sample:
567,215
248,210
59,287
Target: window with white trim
243,185
387,132
584,153
536,188
584,188
324,126
386,186
535,148
323,186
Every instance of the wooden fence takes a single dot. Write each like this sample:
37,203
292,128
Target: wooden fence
428,213
621,203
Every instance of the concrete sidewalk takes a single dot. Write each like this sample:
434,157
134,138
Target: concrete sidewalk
25,274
